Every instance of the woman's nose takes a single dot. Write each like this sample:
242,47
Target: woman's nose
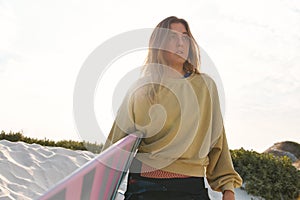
180,41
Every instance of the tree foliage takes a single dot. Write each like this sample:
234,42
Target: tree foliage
266,175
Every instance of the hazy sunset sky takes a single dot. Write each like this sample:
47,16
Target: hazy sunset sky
254,45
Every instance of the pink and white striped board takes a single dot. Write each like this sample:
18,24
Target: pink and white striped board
100,178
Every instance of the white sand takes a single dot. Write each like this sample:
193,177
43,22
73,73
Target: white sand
28,170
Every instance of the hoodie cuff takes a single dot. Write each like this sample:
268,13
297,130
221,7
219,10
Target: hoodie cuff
228,186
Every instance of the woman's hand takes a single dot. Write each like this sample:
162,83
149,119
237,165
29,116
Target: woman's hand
228,195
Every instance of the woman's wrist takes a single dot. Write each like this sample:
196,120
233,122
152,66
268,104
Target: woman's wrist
228,191
228,195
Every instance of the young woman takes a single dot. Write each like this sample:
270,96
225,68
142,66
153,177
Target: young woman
177,108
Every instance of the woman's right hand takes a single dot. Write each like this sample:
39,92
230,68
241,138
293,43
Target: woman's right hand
228,195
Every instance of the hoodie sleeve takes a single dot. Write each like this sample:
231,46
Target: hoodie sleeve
123,123
220,171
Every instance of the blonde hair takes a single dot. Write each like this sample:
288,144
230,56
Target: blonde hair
155,61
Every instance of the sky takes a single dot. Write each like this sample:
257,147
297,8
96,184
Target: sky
254,46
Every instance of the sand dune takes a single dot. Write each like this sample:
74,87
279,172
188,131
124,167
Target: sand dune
28,170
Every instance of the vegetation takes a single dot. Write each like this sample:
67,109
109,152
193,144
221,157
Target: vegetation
267,176
68,144
264,175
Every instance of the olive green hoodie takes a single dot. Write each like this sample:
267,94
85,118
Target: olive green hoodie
184,131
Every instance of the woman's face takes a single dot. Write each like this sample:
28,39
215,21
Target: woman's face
177,45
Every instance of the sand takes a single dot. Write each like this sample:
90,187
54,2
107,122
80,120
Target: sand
28,170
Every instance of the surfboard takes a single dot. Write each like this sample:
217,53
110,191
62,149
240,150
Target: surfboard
100,178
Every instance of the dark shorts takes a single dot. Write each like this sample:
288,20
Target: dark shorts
141,188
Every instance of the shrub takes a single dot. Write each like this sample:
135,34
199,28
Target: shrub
266,175
68,144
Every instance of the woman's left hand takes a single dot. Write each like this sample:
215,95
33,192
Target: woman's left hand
228,195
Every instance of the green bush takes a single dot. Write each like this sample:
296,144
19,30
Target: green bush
13,137
68,144
266,175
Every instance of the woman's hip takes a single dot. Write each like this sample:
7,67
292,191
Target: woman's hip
165,188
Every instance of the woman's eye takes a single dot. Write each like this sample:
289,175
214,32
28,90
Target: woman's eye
185,38
173,37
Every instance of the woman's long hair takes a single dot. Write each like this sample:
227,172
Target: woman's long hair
155,62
